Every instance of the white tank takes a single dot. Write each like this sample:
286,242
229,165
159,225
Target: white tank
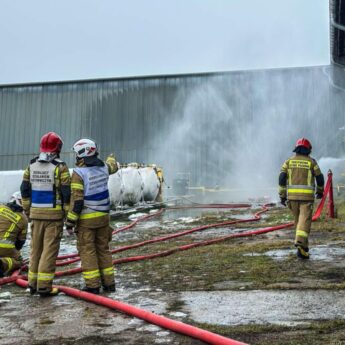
151,183
10,182
115,188
126,187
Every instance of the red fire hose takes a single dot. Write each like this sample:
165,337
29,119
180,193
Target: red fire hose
11,279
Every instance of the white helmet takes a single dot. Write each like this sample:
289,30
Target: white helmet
17,198
85,148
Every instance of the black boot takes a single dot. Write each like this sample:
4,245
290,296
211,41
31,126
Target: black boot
1,270
48,293
91,290
302,253
109,288
32,290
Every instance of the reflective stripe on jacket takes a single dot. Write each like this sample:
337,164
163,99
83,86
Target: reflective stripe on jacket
12,227
301,171
96,193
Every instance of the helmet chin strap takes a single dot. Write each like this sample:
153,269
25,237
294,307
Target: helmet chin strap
79,161
46,156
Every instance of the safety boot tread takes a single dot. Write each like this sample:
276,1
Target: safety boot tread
109,288
45,293
302,253
91,290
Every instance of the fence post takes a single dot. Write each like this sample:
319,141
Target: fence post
330,196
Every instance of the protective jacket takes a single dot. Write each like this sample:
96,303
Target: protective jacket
297,178
46,189
90,203
13,227
159,172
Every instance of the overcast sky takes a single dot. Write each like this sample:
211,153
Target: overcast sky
44,40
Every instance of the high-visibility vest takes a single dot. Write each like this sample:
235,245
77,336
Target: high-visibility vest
96,193
43,189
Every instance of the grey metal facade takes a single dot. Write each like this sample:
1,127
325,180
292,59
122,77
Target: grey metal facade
181,122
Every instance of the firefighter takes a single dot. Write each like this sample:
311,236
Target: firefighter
13,225
159,172
46,194
89,215
297,188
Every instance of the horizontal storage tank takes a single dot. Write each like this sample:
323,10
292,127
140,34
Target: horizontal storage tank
151,183
10,182
128,186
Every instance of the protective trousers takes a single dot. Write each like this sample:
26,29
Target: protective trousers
96,259
10,260
303,213
159,197
45,244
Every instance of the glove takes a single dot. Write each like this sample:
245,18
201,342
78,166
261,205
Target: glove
19,244
283,201
319,195
111,158
27,215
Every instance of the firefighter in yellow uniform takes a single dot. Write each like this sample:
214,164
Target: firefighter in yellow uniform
46,194
159,172
297,187
13,225
89,215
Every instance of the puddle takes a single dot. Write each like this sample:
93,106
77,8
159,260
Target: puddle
5,295
244,216
323,253
135,216
186,220
178,314
232,285
289,307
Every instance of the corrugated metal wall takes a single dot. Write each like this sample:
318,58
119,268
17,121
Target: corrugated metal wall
174,120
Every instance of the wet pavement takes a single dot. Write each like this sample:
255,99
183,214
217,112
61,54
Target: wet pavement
327,253
26,319
284,307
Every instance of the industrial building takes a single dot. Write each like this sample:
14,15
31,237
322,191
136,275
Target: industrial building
199,124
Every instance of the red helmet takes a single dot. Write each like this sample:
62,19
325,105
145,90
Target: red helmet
303,142
51,143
